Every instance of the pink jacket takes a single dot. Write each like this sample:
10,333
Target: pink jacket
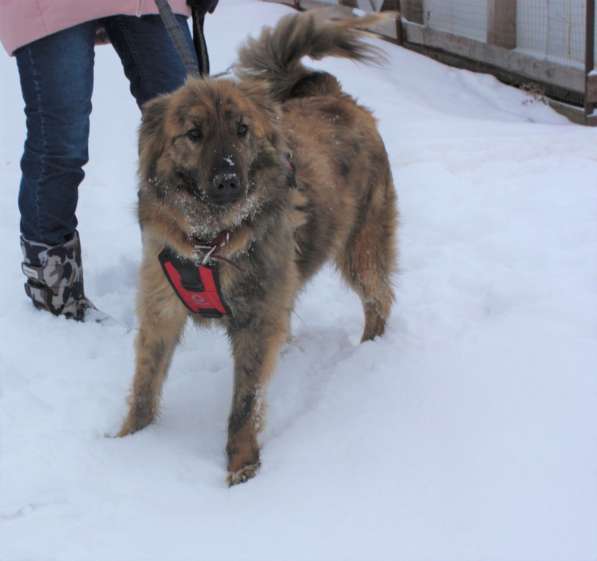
24,21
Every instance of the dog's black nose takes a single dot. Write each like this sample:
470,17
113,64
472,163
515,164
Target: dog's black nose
225,188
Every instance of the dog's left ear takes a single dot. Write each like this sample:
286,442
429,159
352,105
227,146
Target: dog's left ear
258,93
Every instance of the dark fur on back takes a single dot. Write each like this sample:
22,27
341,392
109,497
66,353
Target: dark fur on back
312,183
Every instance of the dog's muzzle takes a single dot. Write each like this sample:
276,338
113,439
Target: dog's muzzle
225,188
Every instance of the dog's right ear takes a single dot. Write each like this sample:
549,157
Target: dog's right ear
152,135
153,116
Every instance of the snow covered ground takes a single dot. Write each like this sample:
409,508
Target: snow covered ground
469,432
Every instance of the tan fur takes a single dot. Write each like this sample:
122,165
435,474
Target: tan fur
316,186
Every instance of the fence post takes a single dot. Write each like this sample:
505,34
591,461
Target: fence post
590,77
412,10
501,23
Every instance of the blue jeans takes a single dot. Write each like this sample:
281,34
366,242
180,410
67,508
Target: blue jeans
56,75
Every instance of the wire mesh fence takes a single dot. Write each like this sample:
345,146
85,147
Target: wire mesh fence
465,18
548,43
548,29
552,28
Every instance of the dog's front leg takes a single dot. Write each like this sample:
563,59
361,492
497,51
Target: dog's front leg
255,350
161,320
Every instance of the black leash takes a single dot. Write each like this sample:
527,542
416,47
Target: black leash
179,40
199,38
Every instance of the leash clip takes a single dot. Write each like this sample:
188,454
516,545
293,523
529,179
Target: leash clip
207,256
203,253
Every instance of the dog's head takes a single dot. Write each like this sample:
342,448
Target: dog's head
211,158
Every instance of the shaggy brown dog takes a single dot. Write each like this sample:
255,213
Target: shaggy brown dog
296,174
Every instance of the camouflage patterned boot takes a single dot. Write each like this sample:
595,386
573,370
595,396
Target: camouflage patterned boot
55,279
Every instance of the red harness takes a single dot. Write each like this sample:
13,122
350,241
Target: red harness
197,284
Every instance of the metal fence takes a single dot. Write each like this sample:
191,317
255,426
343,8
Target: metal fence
547,44
554,29
550,29
551,42
465,18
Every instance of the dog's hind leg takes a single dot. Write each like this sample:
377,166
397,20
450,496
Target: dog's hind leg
370,257
162,318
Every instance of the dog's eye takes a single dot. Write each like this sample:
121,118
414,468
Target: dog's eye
194,135
242,129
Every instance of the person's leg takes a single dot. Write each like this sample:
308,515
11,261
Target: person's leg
150,60
56,75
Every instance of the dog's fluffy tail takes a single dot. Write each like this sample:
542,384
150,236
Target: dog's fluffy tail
275,56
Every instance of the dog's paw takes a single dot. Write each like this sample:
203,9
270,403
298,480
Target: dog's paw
124,431
242,475
131,426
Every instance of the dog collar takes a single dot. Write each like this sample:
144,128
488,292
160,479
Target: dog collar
196,282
